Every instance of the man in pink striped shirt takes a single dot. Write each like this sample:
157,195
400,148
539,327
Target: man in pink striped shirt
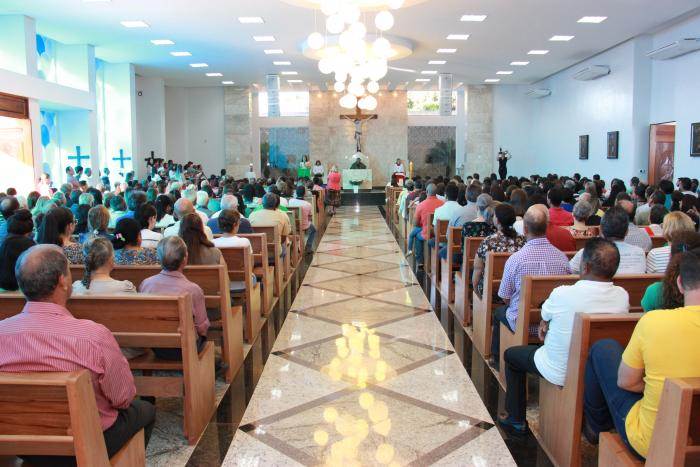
45,337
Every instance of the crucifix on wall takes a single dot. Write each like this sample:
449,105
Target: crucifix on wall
358,118
121,158
78,157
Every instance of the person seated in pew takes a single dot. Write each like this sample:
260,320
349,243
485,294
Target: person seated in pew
656,219
20,227
613,226
56,228
537,258
127,245
45,337
229,221
271,215
421,227
593,293
635,235
674,224
99,264
173,257
229,201
146,216
469,211
184,206
506,239
306,217
642,216
583,210
557,215
200,250
665,294
622,387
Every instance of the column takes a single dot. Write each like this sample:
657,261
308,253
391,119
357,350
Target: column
480,153
238,129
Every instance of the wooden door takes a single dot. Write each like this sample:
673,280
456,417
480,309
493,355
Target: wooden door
662,143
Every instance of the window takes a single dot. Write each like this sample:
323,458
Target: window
427,102
292,104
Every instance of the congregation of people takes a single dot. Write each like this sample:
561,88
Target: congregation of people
538,219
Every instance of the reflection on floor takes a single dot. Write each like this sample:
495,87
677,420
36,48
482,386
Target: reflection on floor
361,373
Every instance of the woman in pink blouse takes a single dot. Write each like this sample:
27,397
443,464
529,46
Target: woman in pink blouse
333,189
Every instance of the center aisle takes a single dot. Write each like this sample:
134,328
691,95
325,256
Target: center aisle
362,372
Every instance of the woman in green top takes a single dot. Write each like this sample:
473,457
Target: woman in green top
664,295
304,170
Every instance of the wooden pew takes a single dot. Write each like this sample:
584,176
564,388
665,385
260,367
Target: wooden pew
439,233
55,414
297,236
675,441
239,261
448,269
262,270
658,241
409,227
534,290
426,248
214,281
463,281
274,252
141,320
560,436
482,307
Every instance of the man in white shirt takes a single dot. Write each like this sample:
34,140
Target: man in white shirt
306,219
398,168
229,220
229,201
469,212
613,227
635,235
451,206
183,206
250,174
685,186
594,293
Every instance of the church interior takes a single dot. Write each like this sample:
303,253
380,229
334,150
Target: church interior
349,232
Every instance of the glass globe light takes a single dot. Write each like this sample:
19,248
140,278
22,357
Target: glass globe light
330,7
341,77
315,40
346,40
359,30
372,87
325,66
350,13
381,47
335,24
377,69
370,102
384,20
356,88
348,101
339,86
395,4
362,103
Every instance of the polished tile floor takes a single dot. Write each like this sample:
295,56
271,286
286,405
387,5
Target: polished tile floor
361,371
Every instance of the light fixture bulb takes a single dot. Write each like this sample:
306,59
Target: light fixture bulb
370,102
359,30
372,87
348,101
356,88
381,47
330,7
350,13
335,24
315,40
339,86
395,4
384,20
325,66
346,40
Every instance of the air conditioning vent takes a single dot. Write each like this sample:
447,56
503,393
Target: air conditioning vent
592,72
675,49
538,93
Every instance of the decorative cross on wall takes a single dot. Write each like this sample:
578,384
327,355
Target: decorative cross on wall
121,158
79,157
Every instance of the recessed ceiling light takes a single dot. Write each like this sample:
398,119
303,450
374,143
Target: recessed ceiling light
519,63
561,38
181,54
274,51
422,80
199,65
407,70
437,62
134,24
592,19
457,37
96,1
250,20
477,18
214,74
227,82
538,52
492,80
290,73
295,81
446,51
282,63
428,72
264,38
505,72
162,42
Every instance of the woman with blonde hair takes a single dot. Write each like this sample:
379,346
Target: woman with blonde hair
674,225
333,189
97,223
99,263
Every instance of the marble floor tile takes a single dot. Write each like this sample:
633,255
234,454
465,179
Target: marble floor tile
358,252
326,258
410,296
317,274
401,274
361,310
308,296
359,285
358,266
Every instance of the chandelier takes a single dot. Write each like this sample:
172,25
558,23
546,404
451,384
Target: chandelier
357,60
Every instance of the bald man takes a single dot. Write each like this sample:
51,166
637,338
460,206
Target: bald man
184,206
635,235
537,258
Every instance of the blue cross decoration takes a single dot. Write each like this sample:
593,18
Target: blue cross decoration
79,157
121,158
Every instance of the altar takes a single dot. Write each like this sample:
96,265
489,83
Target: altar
351,177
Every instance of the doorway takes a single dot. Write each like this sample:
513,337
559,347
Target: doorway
662,144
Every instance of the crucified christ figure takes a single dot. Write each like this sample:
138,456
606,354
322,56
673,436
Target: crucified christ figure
357,119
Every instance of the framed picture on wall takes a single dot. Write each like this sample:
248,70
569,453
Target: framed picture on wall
613,144
695,139
583,147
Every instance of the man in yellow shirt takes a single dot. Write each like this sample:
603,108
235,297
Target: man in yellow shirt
271,215
623,389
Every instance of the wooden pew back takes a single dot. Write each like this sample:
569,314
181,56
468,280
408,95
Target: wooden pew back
55,414
483,306
239,263
274,250
447,266
262,269
463,280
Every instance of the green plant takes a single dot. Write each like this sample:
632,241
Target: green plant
442,153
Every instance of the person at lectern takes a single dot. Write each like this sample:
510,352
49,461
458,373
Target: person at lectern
398,167
358,164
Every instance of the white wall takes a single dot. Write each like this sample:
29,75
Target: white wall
194,126
150,119
542,134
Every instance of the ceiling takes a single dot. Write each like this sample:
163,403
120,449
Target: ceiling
209,29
